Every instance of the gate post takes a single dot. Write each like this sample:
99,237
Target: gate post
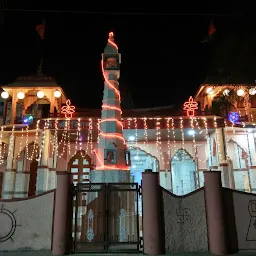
62,220
153,228
217,232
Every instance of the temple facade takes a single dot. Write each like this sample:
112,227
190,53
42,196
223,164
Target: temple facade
42,132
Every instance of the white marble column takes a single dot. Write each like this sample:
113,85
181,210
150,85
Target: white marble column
10,173
43,167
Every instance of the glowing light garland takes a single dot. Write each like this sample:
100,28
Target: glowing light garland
182,135
168,140
208,140
173,135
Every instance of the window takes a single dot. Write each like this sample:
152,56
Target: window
80,166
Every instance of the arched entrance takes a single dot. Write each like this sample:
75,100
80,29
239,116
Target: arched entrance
141,160
183,168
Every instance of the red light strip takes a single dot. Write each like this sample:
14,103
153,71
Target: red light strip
112,167
112,108
110,40
112,120
108,83
113,135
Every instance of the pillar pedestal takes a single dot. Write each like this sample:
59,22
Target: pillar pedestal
52,178
153,226
21,185
217,233
62,217
8,184
42,179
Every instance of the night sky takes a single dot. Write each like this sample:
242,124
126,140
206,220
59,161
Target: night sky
163,57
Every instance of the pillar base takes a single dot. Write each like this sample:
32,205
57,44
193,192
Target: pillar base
21,184
42,179
8,184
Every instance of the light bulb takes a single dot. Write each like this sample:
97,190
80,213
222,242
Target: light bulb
252,91
191,132
240,92
209,90
57,94
40,94
21,95
226,92
4,95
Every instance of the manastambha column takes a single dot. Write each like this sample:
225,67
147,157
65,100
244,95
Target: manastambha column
112,158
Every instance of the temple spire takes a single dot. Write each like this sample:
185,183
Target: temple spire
111,36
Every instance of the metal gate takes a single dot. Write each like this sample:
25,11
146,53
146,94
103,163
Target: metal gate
106,217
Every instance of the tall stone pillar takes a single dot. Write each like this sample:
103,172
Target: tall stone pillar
110,154
62,223
217,230
153,223
43,167
10,173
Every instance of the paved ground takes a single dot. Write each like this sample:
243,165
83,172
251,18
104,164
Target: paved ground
48,253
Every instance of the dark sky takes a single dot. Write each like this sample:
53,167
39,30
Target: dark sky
163,59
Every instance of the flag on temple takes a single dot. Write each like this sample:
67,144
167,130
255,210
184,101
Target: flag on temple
40,29
211,31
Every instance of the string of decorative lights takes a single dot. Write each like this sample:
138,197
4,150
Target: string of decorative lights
207,137
91,138
98,135
193,135
68,133
21,142
218,138
11,144
168,140
173,135
146,144
136,136
1,146
182,136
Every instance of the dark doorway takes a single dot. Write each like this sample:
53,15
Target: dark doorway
32,179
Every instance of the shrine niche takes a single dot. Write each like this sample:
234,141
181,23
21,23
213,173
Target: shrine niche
111,63
110,154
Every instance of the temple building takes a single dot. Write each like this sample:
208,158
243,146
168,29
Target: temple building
42,132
